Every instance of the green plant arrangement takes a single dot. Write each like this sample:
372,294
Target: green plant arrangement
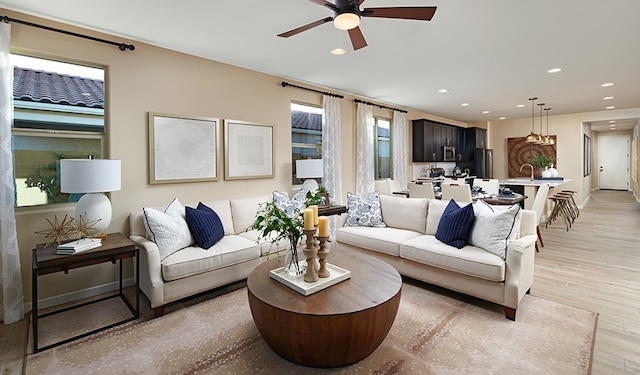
540,161
276,226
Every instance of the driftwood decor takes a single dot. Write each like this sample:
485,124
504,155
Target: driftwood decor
520,152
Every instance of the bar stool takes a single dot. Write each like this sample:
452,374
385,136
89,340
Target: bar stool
560,208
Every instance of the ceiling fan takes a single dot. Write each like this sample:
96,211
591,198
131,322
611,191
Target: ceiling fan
347,14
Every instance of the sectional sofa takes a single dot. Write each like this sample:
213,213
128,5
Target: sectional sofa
408,242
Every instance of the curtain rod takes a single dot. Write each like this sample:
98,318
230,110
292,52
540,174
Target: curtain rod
285,84
121,46
379,105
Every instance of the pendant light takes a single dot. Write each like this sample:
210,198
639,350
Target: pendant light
548,138
541,140
533,137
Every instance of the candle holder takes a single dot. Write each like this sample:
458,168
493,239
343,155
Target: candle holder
310,252
323,253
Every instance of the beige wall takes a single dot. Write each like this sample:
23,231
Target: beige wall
158,80
569,130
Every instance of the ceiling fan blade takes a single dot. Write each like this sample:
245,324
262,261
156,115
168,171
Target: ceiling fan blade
407,13
305,27
357,39
324,3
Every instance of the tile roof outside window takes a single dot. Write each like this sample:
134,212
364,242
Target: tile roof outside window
44,87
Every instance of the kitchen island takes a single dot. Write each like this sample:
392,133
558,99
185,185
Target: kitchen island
526,186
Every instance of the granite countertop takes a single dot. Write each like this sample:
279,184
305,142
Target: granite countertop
528,182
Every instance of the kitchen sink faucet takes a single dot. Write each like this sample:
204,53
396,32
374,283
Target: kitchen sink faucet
527,165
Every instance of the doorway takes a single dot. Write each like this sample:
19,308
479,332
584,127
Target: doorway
613,168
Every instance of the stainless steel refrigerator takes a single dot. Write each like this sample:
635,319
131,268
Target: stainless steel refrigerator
484,163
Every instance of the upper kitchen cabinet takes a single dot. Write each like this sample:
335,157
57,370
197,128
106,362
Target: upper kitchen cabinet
430,139
473,138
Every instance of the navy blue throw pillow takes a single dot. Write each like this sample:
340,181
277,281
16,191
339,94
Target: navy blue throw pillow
205,225
455,224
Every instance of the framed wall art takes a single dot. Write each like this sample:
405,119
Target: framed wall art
183,149
248,150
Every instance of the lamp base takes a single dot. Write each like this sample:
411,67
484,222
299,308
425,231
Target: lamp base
94,211
310,185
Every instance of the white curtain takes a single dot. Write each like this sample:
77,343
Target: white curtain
365,168
400,157
331,155
13,299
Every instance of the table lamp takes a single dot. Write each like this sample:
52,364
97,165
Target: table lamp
91,177
309,169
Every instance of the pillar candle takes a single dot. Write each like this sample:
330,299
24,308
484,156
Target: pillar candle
323,226
308,219
315,213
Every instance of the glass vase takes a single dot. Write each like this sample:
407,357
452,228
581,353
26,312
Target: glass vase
293,266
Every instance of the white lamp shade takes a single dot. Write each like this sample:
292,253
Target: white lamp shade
309,168
79,176
346,21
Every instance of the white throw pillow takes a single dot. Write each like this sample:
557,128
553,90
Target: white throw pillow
364,212
168,229
492,230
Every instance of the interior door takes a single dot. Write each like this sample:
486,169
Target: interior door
613,155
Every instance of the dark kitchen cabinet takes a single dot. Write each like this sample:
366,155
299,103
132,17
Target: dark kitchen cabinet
429,138
472,138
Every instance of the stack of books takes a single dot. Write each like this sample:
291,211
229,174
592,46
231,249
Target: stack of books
78,246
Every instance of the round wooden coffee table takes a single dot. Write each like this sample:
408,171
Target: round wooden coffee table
334,327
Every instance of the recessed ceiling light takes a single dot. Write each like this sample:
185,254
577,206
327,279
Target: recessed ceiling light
502,118
610,107
608,97
520,106
607,84
443,91
612,125
554,70
485,112
465,104
612,121
338,51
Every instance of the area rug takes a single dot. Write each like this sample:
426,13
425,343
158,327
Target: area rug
435,332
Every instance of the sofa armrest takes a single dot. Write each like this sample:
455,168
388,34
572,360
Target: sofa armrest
519,271
151,281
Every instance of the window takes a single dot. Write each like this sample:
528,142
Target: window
382,148
58,113
306,135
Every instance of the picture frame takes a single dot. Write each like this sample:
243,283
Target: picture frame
248,150
183,149
587,155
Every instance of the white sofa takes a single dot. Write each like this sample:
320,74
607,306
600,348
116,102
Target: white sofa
193,270
408,243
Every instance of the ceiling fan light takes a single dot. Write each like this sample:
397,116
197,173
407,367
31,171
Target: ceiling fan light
346,21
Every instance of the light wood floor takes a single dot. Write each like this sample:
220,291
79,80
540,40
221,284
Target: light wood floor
595,266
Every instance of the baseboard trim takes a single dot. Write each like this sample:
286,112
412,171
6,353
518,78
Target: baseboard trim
80,294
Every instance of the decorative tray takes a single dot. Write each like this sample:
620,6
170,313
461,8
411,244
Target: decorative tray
298,284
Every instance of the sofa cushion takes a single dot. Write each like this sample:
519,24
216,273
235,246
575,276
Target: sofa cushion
385,240
266,247
492,230
290,207
205,225
230,250
243,211
470,260
434,213
404,213
223,209
364,212
455,224
168,228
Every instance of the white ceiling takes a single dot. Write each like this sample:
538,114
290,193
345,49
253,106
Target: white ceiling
492,54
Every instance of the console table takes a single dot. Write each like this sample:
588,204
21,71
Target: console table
115,247
331,210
